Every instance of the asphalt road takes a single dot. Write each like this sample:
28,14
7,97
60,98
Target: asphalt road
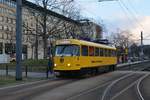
117,85
29,91
123,88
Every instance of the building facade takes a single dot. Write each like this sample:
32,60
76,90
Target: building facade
31,41
8,29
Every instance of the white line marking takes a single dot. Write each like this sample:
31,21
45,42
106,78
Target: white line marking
125,89
138,86
114,82
88,91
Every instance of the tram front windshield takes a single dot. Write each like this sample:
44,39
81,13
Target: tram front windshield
67,50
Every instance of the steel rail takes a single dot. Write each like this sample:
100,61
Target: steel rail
112,84
138,86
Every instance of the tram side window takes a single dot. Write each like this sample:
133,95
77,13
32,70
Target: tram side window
109,53
84,51
105,52
101,52
96,51
113,53
91,51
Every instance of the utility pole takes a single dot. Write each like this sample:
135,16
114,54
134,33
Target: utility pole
18,39
142,54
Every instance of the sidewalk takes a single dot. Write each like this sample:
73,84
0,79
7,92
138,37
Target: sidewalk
29,74
131,63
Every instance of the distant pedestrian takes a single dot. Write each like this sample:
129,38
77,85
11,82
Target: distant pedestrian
50,65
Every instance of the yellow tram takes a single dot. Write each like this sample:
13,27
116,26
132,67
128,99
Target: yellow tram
72,55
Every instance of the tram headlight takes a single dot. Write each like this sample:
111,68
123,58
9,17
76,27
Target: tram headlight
55,65
68,64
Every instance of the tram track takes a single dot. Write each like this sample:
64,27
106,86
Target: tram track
124,86
143,87
138,86
130,92
100,87
119,86
111,89
27,92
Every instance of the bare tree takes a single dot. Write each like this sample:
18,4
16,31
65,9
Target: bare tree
50,25
121,39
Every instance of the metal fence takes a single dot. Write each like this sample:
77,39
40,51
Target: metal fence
28,71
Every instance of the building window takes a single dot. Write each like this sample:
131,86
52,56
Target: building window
13,29
24,49
1,48
5,28
9,20
1,27
8,48
1,18
10,29
14,21
9,3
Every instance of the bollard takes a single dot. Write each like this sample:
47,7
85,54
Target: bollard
26,71
6,70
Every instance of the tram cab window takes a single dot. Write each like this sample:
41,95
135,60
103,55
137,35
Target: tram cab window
96,51
91,51
67,50
84,50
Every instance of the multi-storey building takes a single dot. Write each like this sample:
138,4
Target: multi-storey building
30,25
92,30
8,29
7,26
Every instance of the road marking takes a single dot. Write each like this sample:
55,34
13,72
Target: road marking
125,89
138,86
114,82
89,90
129,86
82,93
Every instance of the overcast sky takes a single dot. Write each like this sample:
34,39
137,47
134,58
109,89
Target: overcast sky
133,15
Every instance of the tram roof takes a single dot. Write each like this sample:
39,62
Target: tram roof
82,42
